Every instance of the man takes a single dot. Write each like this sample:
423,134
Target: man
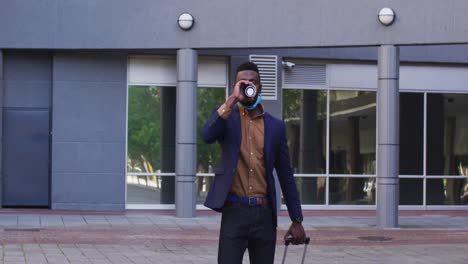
253,143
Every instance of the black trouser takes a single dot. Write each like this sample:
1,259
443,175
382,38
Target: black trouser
244,226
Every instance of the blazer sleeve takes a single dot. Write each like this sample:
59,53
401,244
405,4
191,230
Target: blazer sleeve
213,129
286,177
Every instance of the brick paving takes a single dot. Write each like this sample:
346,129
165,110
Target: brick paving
44,236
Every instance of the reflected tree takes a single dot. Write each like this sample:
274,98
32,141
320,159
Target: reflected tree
143,128
208,155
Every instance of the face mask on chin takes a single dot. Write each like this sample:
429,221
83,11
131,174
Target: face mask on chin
252,106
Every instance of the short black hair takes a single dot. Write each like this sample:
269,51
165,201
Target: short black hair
248,66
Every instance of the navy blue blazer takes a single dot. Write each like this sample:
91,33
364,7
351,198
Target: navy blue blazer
228,134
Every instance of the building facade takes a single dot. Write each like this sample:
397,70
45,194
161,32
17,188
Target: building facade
100,112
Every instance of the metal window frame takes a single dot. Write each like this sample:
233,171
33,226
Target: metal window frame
327,174
170,174
425,151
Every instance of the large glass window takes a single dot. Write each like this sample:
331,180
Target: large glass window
151,145
411,133
411,148
447,149
208,155
351,118
304,113
352,132
442,120
447,134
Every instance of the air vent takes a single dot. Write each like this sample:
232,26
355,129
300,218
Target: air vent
307,75
267,65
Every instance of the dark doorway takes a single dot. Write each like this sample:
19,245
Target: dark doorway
26,158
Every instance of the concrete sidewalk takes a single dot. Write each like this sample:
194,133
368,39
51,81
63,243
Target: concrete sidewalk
44,236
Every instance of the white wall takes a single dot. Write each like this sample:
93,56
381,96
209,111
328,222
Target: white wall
162,70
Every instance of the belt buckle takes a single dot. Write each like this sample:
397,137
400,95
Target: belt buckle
252,201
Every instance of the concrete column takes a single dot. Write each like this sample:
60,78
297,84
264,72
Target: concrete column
309,150
186,132
1,126
388,136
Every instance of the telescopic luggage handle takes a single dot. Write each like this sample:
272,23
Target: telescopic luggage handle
286,244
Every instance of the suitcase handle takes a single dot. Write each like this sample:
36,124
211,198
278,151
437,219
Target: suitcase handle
289,239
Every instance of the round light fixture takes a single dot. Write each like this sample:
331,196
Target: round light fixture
386,16
186,21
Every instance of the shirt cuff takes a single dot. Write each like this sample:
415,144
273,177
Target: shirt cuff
224,111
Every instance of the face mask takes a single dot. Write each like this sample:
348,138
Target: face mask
252,107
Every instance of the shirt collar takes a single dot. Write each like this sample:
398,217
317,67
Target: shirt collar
245,112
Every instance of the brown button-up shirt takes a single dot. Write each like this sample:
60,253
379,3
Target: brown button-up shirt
250,177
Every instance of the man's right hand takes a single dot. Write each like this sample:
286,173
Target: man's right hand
237,94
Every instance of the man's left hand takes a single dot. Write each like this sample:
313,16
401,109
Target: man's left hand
296,233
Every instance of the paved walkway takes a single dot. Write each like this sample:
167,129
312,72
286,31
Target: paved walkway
44,236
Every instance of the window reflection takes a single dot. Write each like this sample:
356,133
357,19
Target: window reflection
411,191
352,191
304,112
352,132
447,191
447,130
145,189
411,133
203,186
151,144
311,189
208,155
144,123
447,148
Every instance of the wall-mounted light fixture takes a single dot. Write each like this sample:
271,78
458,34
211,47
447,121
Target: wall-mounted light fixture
386,16
186,21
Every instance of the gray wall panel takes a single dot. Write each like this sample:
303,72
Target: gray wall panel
27,85
27,66
33,94
79,191
115,24
27,79
28,23
82,157
90,67
89,127
436,53
89,111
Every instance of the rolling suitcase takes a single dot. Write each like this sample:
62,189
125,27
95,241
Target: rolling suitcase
286,244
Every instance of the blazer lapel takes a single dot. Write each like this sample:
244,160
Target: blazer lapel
236,120
267,140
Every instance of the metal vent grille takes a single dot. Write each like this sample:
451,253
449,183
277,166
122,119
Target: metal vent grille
267,65
306,74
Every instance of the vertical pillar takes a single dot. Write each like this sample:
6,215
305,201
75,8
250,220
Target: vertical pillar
388,136
309,149
1,126
186,132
